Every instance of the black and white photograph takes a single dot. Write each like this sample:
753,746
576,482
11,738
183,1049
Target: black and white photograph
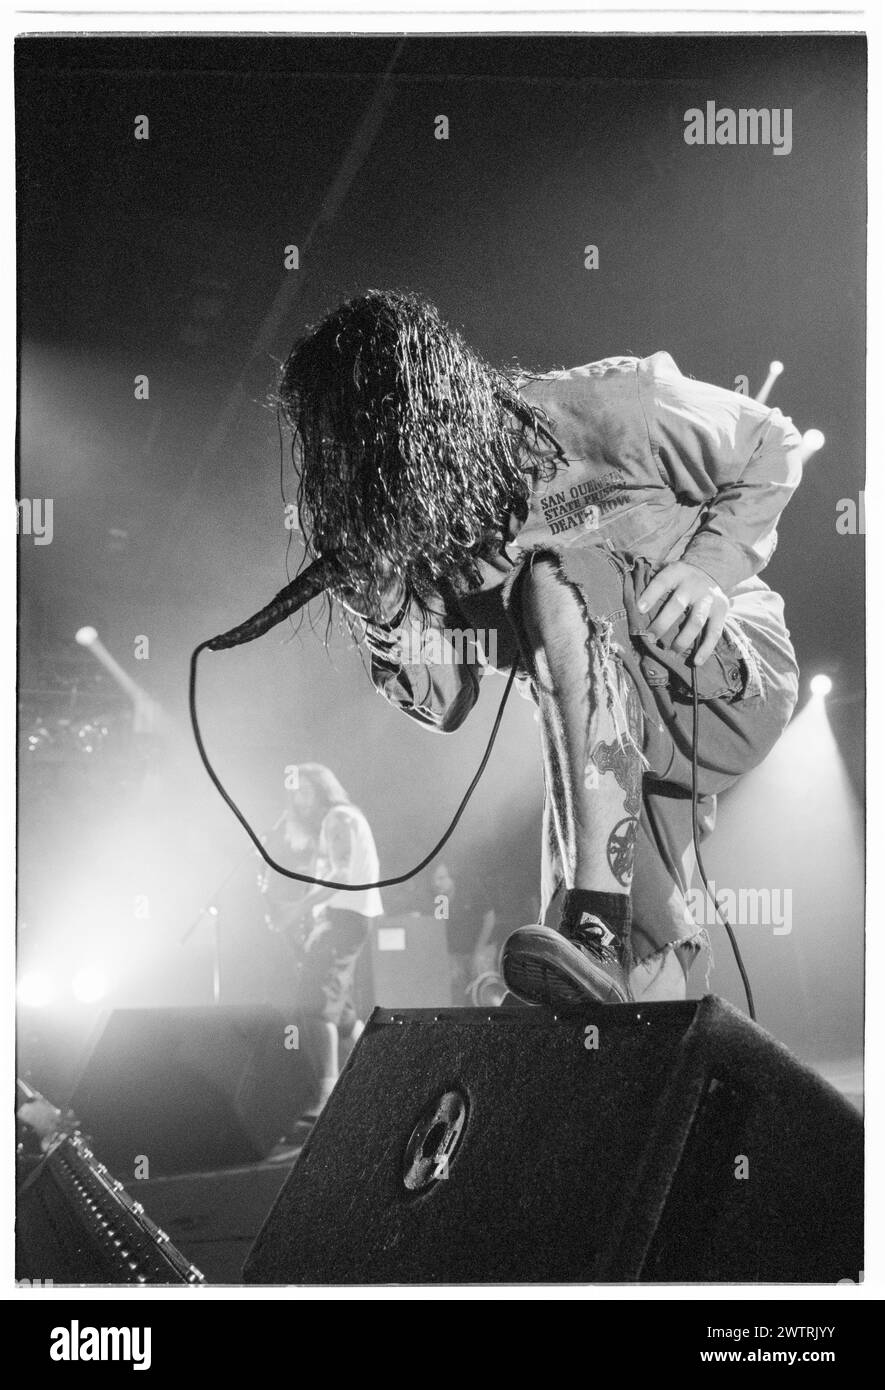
440,489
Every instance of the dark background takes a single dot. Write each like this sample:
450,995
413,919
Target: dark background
165,257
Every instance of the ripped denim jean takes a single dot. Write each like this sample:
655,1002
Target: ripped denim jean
748,689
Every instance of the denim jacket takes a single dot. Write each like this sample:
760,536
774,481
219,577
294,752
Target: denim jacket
648,462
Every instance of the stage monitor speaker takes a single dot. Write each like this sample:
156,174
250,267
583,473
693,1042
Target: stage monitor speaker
651,1143
191,1089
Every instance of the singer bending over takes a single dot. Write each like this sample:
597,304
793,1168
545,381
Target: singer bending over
607,524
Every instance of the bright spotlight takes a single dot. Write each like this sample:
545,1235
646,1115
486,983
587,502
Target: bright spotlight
34,989
86,636
774,371
812,442
89,985
820,685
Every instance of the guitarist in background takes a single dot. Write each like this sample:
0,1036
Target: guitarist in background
330,838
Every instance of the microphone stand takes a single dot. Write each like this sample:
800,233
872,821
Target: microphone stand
210,909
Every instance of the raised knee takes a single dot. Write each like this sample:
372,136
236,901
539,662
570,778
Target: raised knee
548,604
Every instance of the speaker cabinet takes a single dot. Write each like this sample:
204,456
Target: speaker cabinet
191,1089
656,1143
409,963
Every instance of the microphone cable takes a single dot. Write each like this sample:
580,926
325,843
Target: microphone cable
309,878
696,839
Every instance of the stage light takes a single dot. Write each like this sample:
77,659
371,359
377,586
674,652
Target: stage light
820,685
86,636
89,985
774,371
34,989
795,822
812,442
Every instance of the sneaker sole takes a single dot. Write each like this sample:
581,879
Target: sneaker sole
541,967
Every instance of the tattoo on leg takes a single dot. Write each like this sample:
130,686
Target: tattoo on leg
621,846
634,713
627,769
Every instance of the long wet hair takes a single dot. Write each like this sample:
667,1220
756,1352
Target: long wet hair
411,449
327,789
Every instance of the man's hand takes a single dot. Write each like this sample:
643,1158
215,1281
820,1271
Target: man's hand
694,600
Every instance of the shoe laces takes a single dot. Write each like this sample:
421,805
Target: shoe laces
593,934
